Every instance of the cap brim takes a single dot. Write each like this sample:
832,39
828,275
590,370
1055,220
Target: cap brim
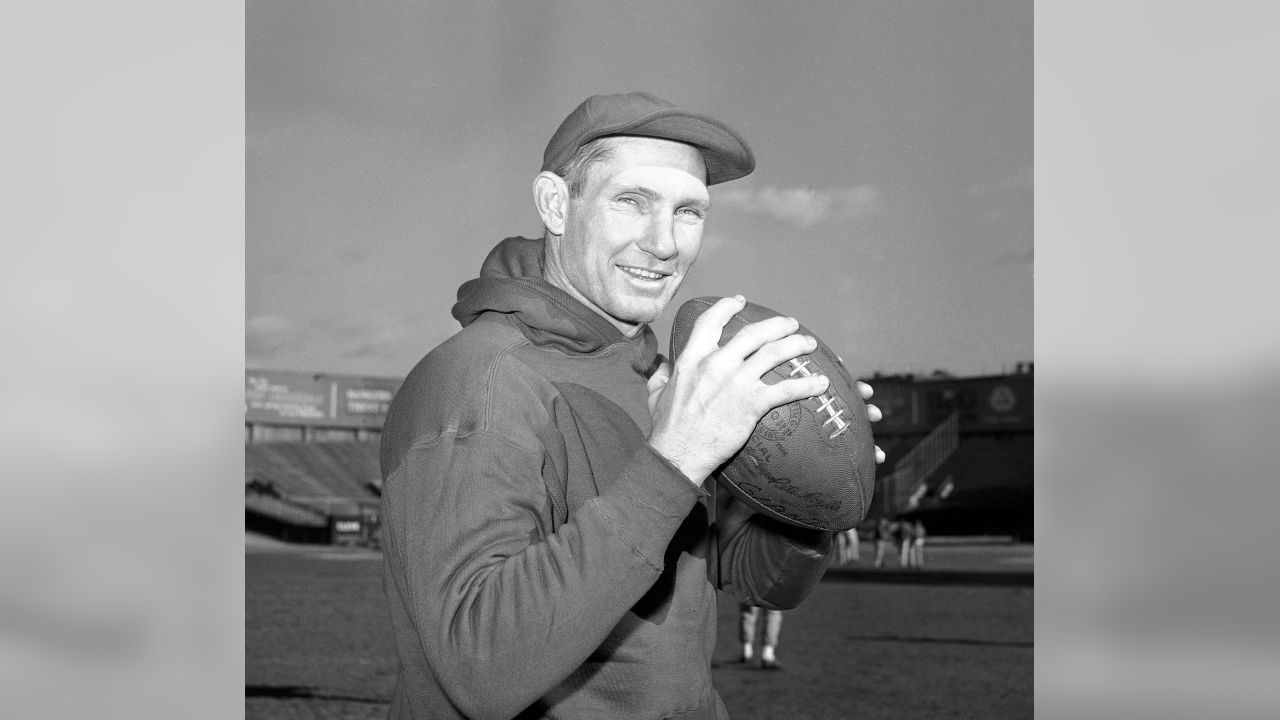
728,157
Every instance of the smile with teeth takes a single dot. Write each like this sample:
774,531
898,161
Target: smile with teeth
641,273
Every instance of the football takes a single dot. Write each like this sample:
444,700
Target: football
811,462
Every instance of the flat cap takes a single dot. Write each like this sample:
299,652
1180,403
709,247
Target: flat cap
725,153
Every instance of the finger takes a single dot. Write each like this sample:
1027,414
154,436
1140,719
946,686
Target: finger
779,352
879,455
705,336
661,376
874,414
866,390
753,336
657,382
787,391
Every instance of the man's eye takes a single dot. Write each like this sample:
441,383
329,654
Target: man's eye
629,200
692,213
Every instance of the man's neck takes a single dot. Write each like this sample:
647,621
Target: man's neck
555,275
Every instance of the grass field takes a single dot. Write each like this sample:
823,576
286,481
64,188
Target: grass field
318,645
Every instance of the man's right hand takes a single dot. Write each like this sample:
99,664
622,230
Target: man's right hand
707,407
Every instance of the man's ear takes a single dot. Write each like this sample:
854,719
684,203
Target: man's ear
551,197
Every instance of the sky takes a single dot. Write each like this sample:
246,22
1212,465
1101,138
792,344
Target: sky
390,145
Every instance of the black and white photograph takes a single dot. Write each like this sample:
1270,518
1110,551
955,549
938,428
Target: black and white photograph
620,361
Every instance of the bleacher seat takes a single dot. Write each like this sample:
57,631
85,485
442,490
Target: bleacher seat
316,470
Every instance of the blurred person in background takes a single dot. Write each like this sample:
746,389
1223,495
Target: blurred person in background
847,550
917,545
884,535
748,619
905,534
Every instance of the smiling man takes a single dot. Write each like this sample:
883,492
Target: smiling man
552,546
625,242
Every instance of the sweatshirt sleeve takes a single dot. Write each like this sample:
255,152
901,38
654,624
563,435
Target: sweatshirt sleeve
504,609
766,562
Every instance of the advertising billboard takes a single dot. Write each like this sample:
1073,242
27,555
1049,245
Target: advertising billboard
322,399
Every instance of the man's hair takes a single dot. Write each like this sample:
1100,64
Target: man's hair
575,169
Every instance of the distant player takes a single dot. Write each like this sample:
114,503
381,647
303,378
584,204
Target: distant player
847,546
906,536
884,536
748,615
917,545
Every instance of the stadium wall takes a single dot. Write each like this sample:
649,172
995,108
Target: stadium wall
915,405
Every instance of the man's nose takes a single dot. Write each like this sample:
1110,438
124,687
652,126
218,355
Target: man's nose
660,239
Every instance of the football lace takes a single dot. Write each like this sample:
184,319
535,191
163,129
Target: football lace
825,403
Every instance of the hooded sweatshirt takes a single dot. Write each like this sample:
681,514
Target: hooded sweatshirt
541,558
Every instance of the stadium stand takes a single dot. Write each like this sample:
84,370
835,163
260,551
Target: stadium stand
983,483
335,469
985,462
988,489
292,488
312,470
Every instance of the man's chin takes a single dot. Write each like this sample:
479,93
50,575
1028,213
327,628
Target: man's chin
641,313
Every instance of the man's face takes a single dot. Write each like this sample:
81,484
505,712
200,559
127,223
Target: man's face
631,237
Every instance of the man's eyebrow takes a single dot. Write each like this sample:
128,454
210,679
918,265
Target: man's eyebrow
638,189
694,200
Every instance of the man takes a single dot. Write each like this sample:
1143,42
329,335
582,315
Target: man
553,547
917,545
906,531
885,532
847,546
748,615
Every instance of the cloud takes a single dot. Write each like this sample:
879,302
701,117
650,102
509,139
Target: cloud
380,345
272,339
377,337
804,207
712,242
266,335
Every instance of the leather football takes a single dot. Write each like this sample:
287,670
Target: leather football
811,462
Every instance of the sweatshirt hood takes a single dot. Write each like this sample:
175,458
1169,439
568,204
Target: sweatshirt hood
511,282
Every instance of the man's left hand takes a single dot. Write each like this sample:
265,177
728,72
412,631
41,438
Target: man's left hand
659,378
